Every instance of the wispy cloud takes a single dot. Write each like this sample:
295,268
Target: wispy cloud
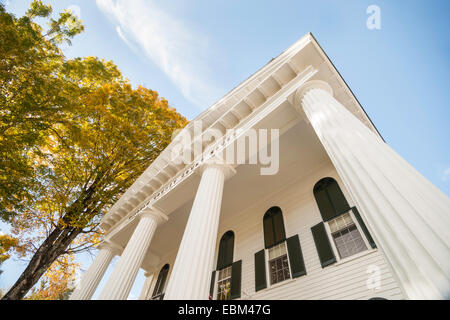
122,36
179,51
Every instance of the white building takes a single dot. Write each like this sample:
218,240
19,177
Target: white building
339,215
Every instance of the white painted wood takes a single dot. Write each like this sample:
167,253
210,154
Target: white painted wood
191,273
344,280
406,213
95,273
145,292
122,278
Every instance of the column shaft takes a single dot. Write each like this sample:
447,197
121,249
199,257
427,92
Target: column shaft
191,273
94,275
409,216
121,280
146,287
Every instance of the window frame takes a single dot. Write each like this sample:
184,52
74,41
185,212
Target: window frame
267,266
229,265
216,282
333,244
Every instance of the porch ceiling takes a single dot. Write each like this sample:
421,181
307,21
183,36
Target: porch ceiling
300,153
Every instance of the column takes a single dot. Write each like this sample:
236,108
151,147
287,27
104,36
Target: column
409,216
95,273
190,278
122,278
147,285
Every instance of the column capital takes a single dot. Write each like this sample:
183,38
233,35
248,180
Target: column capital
305,88
114,248
149,273
217,162
155,214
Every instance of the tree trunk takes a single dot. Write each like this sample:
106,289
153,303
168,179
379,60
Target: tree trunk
53,246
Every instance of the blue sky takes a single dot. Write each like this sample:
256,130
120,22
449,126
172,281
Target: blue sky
193,52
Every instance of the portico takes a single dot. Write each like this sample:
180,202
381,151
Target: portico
175,214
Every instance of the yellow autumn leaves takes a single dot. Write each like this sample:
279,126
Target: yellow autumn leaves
74,135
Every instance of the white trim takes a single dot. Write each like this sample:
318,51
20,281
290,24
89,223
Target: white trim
266,256
333,245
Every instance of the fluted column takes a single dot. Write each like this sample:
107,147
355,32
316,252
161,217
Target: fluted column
146,287
409,216
95,273
122,278
191,273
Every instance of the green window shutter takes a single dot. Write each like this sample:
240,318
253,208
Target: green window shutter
268,233
273,227
323,246
330,199
236,272
364,228
295,257
226,247
211,288
260,271
337,198
323,202
278,226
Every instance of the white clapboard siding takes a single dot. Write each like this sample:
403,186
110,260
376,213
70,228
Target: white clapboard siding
343,280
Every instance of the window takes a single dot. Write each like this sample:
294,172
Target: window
226,249
158,291
347,238
224,263
275,242
330,199
278,263
341,225
273,227
224,284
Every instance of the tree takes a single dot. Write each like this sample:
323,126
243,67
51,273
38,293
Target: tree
97,134
57,283
30,96
7,245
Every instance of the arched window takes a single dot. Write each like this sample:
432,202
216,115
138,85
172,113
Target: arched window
274,239
330,199
158,292
273,227
338,224
224,266
226,248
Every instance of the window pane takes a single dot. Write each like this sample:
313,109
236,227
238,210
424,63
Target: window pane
224,284
278,263
347,239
